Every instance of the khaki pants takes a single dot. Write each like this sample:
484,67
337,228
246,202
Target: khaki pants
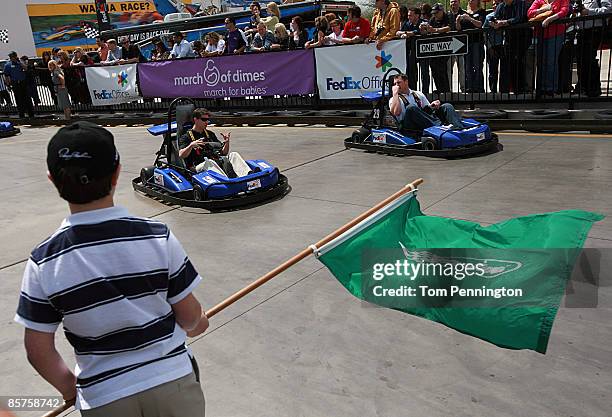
182,397
241,168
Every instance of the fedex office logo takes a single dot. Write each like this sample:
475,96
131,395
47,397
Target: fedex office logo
110,95
346,84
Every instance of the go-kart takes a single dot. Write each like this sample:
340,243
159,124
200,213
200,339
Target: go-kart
7,129
170,181
382,132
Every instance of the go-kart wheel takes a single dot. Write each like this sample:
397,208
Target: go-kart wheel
429,144
360,135
198,193
146,174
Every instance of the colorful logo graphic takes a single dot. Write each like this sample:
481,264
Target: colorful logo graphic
383,61
122,78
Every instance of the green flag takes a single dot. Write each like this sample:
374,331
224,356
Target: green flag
502,283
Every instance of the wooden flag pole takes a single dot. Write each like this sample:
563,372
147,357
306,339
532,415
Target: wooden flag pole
59,410
285,265
310,250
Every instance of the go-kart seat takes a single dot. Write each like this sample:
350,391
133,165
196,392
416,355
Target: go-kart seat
184,115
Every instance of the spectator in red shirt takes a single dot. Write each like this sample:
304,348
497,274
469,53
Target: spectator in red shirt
102,49
356,29
549,42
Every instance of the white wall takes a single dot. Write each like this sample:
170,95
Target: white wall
14,18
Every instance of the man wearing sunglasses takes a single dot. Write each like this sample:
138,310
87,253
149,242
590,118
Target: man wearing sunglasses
130,53
199,149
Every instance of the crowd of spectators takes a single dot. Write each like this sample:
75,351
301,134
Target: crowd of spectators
516,57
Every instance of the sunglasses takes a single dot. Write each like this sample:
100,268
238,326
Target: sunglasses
205,119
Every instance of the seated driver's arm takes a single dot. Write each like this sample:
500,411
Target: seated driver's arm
395,105
185,147
225,149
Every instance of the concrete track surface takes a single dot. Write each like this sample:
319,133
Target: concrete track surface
301,345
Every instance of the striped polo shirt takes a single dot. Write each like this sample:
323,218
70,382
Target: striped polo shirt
110,279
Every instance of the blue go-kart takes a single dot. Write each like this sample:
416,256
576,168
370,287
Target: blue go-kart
7,129
381,132
169,180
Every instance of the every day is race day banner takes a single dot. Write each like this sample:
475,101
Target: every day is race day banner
351,70
282,73
112,85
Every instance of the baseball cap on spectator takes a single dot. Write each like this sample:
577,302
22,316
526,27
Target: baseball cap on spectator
82,152
12,53
437,7
55,50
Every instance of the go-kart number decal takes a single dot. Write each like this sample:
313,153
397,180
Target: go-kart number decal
263,165
158,178
379,138
376,114
252,185
209,179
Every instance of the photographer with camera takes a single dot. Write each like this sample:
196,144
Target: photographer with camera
590,33
385,22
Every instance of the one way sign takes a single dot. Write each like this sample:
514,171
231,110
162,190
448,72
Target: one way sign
436,46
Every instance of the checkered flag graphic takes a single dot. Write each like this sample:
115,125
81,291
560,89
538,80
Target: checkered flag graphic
91,32
4,36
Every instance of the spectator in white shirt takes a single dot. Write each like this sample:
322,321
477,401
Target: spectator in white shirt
335,37
181,48
215,45
114,53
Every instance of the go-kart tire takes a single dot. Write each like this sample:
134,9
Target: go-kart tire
603,115
146,174
360,135
485,114
429,144
547,114
198,193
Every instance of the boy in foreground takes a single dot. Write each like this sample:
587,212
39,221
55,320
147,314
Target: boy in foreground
120,285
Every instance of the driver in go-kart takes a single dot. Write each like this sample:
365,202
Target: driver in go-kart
202,151
415,112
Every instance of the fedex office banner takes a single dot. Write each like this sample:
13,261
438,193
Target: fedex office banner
112,85
348,71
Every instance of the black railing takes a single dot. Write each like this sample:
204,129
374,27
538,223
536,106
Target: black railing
516,64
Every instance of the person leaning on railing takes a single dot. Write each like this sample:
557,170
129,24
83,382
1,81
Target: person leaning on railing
385,22
263,39
214,45
494,40
298,36
281,38
356,29
516,40
550,39
160,51
322,29
473,18
589,38
439,23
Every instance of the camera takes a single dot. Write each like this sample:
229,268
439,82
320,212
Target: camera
379,31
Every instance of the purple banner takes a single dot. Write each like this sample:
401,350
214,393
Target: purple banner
266,74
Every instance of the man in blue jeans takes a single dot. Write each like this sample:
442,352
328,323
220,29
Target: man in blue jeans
415,112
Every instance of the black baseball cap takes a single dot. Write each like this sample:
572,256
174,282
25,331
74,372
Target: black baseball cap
83,151
12,53
437,7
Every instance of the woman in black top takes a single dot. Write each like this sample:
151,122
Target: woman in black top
473,19
298,35
44,75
